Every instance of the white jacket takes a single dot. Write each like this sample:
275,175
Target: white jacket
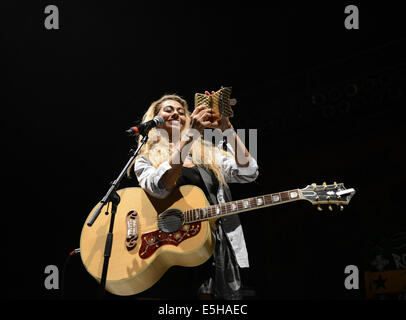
149,179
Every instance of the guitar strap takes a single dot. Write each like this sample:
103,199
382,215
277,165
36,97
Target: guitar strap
208,180
229,223
227,280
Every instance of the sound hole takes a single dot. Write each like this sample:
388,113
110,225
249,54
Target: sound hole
170,221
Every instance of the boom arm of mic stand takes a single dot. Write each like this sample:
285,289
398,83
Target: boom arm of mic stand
116,182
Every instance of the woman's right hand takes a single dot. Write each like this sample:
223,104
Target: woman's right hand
202,118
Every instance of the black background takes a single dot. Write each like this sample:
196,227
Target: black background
70,94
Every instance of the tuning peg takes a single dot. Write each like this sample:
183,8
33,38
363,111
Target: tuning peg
341,208
319,208
324,186
314,186
335,185
330,207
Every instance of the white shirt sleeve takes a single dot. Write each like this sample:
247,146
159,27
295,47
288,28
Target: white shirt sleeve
149,177
234,173
239,246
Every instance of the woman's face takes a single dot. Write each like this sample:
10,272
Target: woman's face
174,115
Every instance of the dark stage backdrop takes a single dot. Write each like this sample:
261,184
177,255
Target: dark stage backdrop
327,104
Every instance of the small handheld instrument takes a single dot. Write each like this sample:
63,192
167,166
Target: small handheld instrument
219,102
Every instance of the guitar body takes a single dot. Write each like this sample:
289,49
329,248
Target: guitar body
142,252
151,235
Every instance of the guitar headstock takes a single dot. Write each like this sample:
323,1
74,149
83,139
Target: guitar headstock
328,194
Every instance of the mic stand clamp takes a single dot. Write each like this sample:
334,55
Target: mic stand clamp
113,197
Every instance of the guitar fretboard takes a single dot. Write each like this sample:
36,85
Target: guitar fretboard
234,207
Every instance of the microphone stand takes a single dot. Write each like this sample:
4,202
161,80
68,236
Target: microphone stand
114,198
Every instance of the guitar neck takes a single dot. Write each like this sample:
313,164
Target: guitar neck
238,206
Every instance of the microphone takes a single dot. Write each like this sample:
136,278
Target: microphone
144,128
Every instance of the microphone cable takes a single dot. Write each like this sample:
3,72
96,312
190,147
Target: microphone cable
62,295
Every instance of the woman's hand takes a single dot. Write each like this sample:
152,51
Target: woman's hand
202,118
223,123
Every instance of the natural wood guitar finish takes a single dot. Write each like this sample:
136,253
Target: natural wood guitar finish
130,273
151,235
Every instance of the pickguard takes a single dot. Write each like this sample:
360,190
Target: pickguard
152,241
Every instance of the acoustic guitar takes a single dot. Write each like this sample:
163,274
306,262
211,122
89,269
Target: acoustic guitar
151,235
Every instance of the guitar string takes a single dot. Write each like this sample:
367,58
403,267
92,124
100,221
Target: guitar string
190,215
239,206
227,206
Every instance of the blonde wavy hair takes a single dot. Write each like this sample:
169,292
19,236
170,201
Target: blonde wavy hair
158,149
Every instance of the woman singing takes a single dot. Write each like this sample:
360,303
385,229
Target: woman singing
175,155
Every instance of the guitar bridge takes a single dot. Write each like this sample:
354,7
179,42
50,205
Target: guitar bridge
132,230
